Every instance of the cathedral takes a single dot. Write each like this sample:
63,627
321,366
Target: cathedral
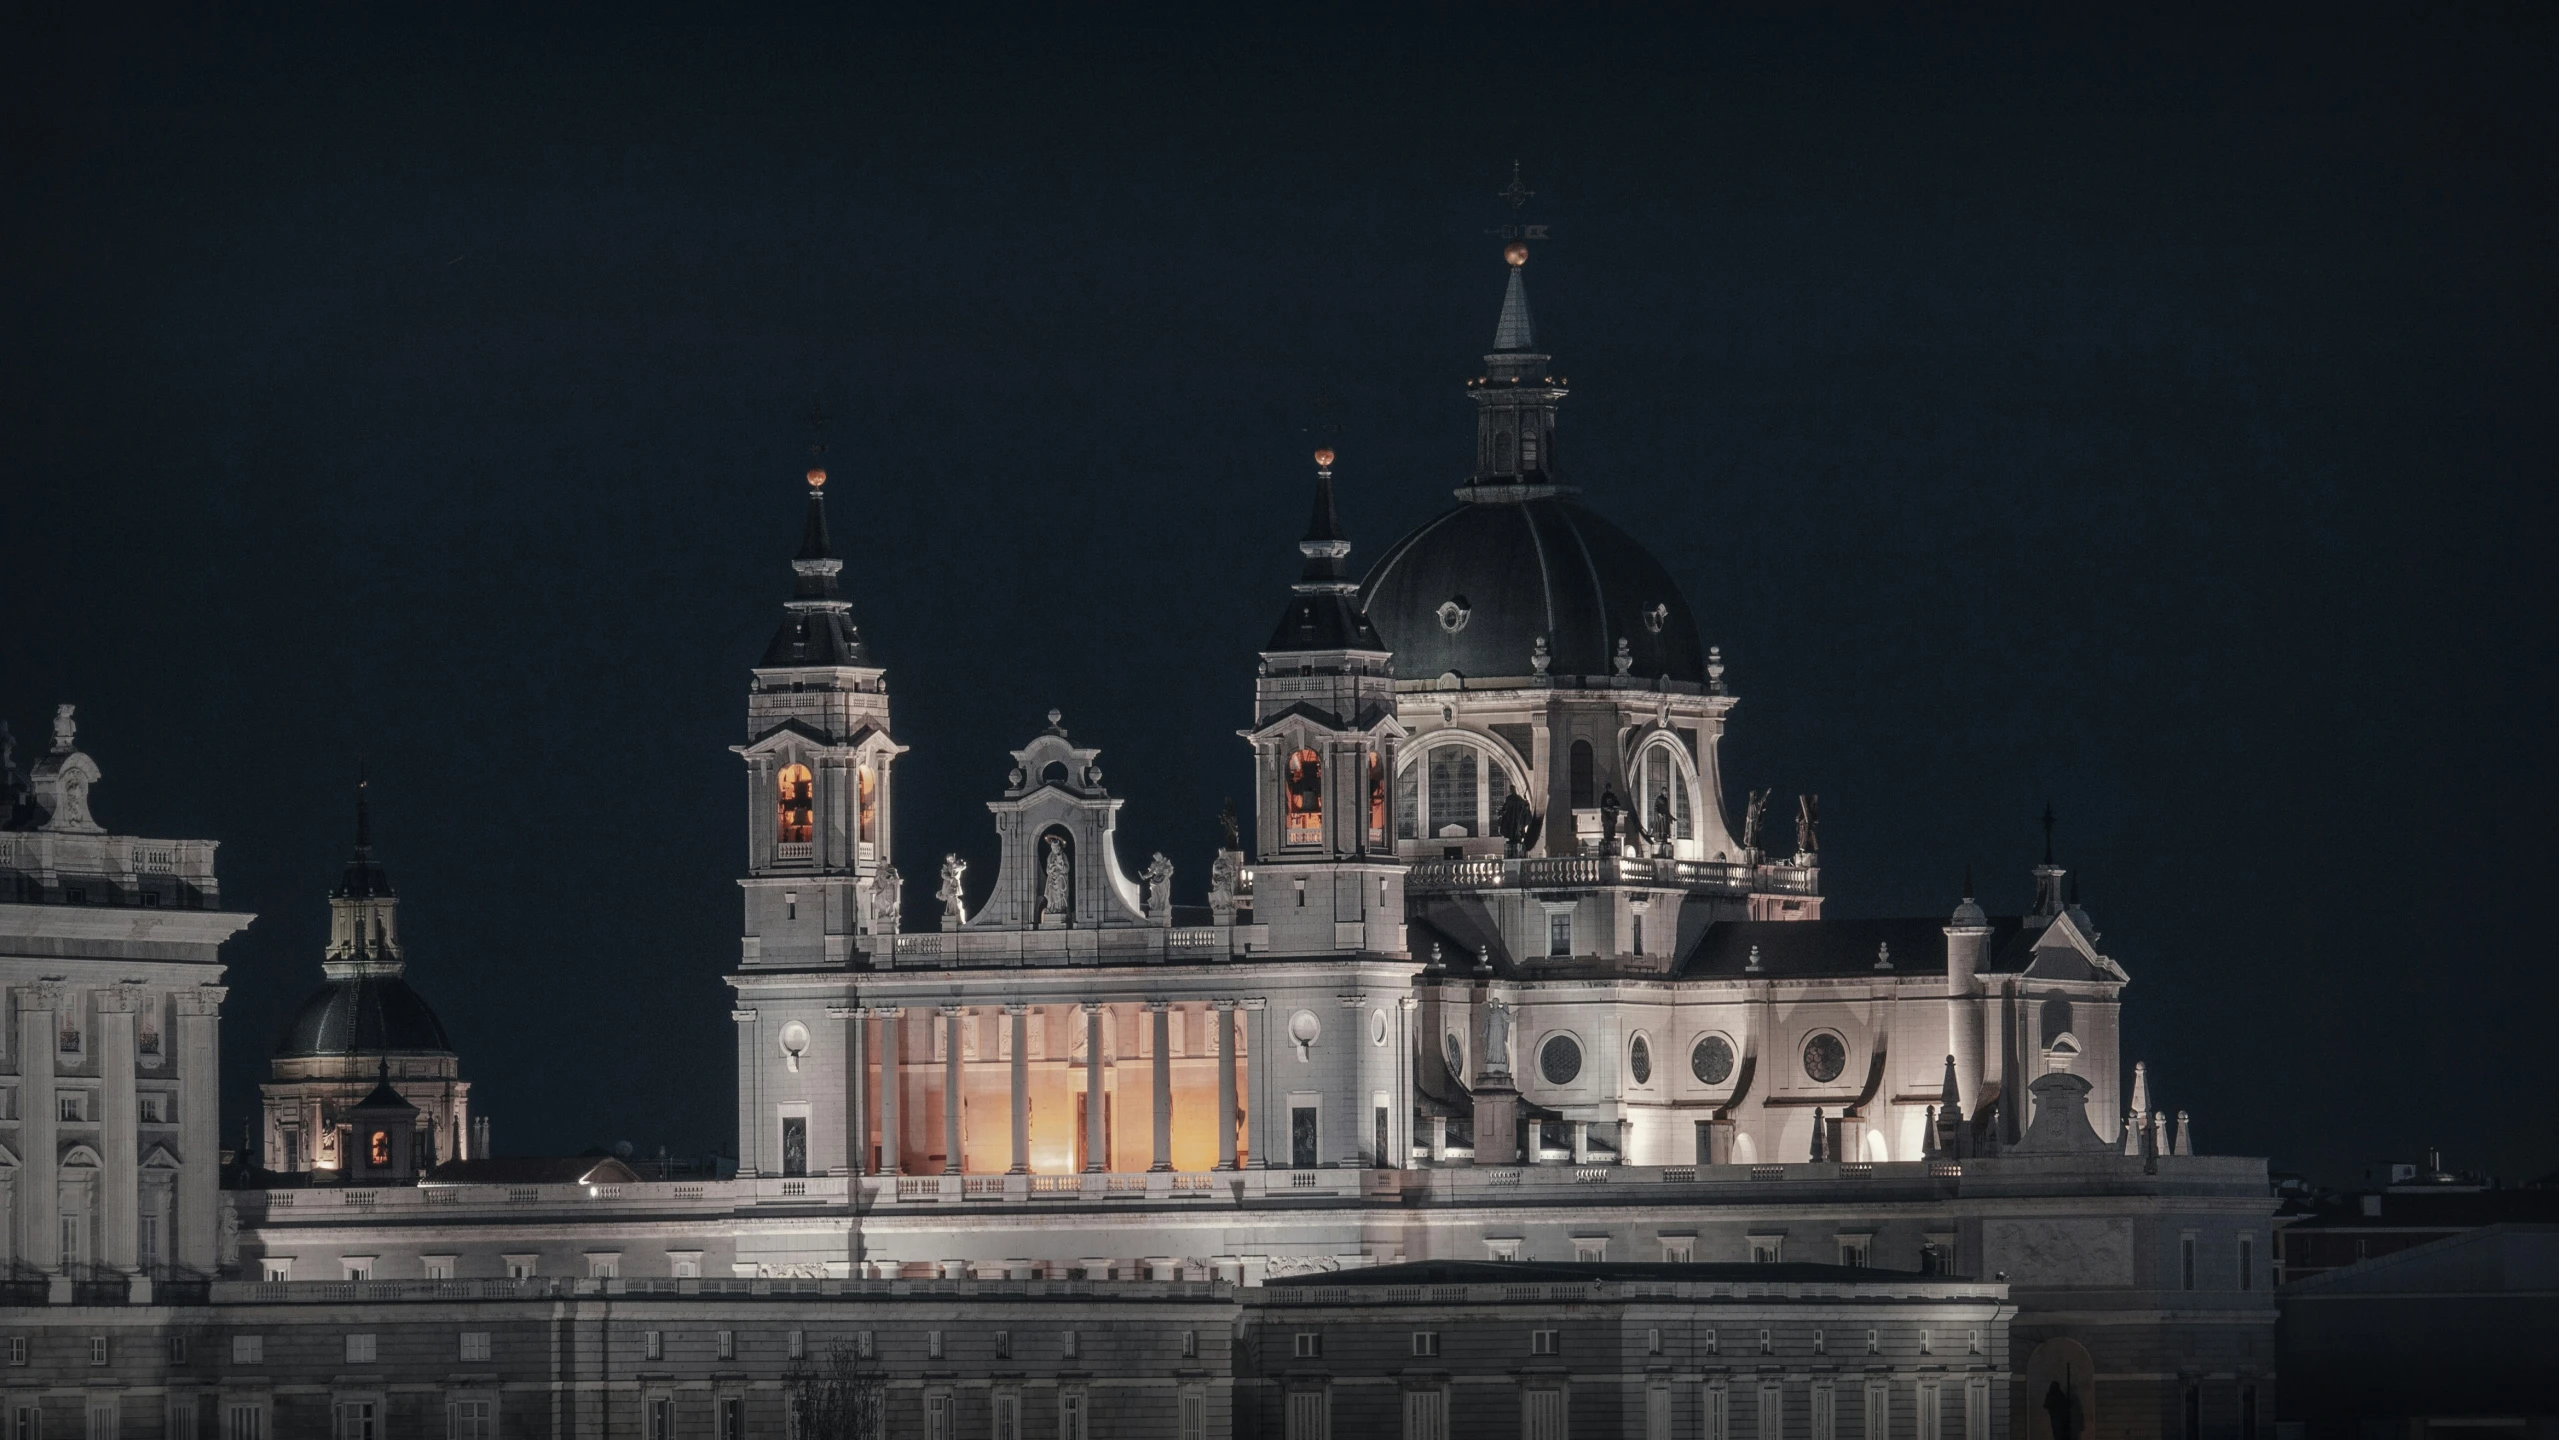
1495,973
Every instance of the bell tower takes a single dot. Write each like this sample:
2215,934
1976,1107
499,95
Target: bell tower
1324,739
820,783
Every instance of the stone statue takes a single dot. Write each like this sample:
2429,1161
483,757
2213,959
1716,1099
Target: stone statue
1608,808
954,900
1752,814
63,729
1513,822
1158,876
1497,1038
888,895
1808,819
1661,825
1227,827
1056,898
1221,880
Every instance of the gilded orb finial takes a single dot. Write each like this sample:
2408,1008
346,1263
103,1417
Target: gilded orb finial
1324,458
1516,252
817,478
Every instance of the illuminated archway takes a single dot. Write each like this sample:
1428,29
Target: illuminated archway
795,805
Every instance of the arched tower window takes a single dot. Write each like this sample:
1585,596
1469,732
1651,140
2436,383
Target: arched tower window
1453,791
1376,798
1585,776
797,797
1666,791
1408,802
2056,1018
1305,809
866,783
1501,451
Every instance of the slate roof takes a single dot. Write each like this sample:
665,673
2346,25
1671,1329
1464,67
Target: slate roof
1525,567
363,1015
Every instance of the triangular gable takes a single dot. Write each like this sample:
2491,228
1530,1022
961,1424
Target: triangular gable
159,1159
8,1157
772,740
2064,952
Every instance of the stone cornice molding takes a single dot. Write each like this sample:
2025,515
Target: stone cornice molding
742,1016
201,1000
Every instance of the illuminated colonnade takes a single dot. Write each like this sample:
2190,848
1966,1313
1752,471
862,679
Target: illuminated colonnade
1024,1071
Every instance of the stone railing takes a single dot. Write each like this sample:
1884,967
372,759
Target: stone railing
1560,872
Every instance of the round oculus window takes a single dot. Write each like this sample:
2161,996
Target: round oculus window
1376,1027
1711,1061
1456,1057
1639,1059
1561,1061
1825,1057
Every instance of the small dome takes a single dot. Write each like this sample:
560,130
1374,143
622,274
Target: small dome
1474,590
364,1015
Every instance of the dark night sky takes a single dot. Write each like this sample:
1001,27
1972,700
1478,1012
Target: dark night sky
2152,418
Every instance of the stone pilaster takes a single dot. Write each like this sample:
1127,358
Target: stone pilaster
119,1132
1224,1010
1160,1016
39,1125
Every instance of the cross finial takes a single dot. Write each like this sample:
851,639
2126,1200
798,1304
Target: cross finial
1516,192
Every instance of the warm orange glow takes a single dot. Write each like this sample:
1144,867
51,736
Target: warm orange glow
1516,253
864,782
381,1147
1305,799
1324,458
1376,799
798,805
816,478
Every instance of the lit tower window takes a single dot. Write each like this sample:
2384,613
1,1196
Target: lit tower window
798,805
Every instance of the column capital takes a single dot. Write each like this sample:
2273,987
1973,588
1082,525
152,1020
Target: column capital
1408,1002
889,1012
1254,1002
742,1016
1158,1007
845,1012
122,998
1223,1004
45,994
200,999
952,1008
1017,1007
1091,1007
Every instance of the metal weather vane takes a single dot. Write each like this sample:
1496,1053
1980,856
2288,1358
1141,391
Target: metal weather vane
1518,194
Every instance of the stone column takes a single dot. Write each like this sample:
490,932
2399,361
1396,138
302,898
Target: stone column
1097,1149
1224,1010
952,1016
1257,1091
1162,1017
892,1088
857,1129
1018,1015
750,1103
1581,1142
119,1132
39,1123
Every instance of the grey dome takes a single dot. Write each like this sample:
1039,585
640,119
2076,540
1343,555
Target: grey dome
1522,562
364,1015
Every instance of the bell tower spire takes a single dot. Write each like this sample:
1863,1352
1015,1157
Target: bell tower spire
1516,399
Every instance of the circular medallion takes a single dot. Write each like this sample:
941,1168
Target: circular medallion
1712,1060
1639,1058
1560,1061
1825,1057
1376,1027
1453,613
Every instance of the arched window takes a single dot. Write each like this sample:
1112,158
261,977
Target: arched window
2056,1019
1585,776
1408,802
1665,791
1305,799
1501,451
1453,791
381,1147
798,805
1376,798
867,784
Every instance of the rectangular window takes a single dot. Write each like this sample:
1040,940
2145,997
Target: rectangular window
358,1267
106,1419
149,1106
1068,1346
937,1415
2247,1412
1426,1342
1657,1413
799,1344
1976,1410
661,1417
1718,1414
1652,1342
358,1420
1559,934
248,1349
1824,1411
866,1344
1879,1409
1193,1417
1821,1343
17,1349
1712,1346
181,1417
177,1349
2186,1262
727,1345
1767,1343
149,1234
1545,1342
2247,1262
1874,1343
1764,1251
2193,1422
97,1349
239,1422
1307,1345
1190,1345
1771,1410
1931,1411
67,1106
653,1344
475,1344
932,1344
359,1349
1852,1249
438,1267
732,1417
1425,1415
471,1417
1007,1407
1071,1417
1302,1137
